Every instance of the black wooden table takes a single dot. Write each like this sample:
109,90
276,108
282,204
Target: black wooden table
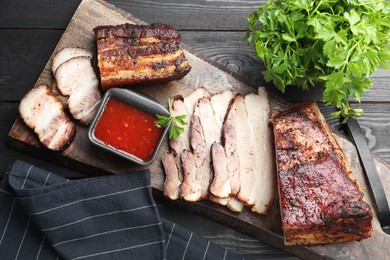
29,31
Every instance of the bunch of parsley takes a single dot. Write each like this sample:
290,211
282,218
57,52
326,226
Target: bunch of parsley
339,43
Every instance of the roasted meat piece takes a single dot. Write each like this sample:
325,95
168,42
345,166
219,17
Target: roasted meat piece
133,54
76,79
320,200
43,113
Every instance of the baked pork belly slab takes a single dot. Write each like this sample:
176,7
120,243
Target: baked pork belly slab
43,113
320,200
131,54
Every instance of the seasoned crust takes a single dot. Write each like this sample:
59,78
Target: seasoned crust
320,200
130,54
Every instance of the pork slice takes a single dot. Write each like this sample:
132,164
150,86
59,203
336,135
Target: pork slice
190,189
192,162
172,178
211,134
76,78
43,113
220,187
229,137
258,109
67,54
220,104
246,152
230,174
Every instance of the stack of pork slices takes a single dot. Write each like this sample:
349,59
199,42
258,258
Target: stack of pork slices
226,152
75,88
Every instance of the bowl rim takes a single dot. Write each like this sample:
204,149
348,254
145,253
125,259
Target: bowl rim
137,100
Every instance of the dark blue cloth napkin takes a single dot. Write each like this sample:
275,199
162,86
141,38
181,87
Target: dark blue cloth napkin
45,216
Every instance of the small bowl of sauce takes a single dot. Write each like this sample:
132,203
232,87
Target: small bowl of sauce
125,125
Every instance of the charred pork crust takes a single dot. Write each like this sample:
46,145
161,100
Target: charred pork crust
131,54
320,200
157,30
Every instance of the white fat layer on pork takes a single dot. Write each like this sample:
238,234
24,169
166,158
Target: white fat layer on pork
190,102
246,152
173,168
235,205
258,109
67,54
76,78
42,112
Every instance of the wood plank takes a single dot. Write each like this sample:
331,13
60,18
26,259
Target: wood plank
183,14
266,228
24,53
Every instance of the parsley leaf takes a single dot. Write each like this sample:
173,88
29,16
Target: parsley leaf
177,122
338,43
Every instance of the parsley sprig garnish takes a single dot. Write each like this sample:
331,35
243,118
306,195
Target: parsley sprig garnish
339,43
177,122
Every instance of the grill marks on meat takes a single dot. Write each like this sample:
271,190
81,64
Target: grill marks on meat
172,161
222,143
132,54
76,79
43,113
156,30
320,200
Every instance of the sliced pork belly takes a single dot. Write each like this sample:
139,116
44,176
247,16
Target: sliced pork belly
204,131
172,178
246,152
43,113
76,79
226,175
258,110
206,124
220,186
172,161
67,54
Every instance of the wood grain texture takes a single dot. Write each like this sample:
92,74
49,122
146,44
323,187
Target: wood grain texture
267,228
183,14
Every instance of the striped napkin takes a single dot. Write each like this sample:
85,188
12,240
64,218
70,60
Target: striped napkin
45,216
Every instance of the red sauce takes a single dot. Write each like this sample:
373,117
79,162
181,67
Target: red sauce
128,129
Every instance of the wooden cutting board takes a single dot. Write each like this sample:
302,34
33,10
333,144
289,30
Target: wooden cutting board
82,155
